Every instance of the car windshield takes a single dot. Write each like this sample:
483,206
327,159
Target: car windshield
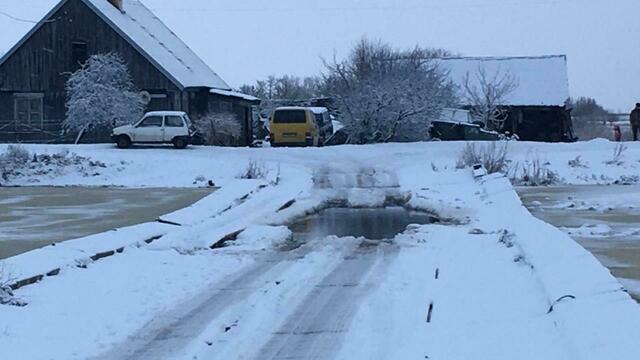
187,119
289,117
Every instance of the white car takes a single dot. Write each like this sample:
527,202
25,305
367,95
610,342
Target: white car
159,127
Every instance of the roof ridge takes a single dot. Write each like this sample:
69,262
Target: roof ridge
152,33
500,58
172,33
153,36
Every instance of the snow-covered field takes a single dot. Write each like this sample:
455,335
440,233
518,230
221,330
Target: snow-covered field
165,167
491,282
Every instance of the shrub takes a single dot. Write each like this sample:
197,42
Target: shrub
220,129
7,297
492,155
577,163
17,162
618,154
254,171
15,157
535,173
17,154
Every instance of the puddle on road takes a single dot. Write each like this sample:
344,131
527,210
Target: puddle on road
370,223
615,207
33,217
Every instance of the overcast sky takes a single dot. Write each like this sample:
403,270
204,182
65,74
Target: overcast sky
251,39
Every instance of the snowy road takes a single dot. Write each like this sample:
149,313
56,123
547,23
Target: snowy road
168,335
316,328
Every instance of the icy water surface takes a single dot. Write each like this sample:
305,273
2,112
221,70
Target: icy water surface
32,217
603,219
372,224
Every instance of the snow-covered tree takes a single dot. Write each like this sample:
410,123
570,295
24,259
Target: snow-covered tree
102,93
486,94
220,129
384,94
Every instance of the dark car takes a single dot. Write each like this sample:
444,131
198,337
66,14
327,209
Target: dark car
460,131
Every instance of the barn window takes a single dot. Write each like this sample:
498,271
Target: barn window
28,108
79,53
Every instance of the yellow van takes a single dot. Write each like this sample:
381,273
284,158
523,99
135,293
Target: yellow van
294,126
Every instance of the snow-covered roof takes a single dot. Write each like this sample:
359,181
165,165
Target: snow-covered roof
234,94
292,108
318,110
158,43
542,80
149,35
166,113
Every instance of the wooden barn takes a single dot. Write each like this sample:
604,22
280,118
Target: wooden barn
536,110
34,72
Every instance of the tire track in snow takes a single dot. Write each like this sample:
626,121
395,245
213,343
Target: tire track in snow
316,328
167,336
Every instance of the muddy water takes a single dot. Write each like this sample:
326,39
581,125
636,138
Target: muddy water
603,219
372,224
32,217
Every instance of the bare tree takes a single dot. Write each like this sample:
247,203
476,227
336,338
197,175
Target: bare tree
220,129
590,119
385,94
487,93
284,90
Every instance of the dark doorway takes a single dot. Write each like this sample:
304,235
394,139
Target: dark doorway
79,54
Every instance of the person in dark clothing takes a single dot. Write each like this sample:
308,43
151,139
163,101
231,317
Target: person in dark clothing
635,122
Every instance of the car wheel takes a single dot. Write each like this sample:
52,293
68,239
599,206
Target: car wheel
179,143
124,142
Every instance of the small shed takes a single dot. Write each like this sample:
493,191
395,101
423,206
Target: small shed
536,110
34,72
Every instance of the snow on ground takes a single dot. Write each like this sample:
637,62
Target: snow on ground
498,281
631,285
165,167
583,163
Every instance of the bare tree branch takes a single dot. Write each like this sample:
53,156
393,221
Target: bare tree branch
487,94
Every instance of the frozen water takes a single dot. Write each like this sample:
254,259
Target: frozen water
372,224
32,217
